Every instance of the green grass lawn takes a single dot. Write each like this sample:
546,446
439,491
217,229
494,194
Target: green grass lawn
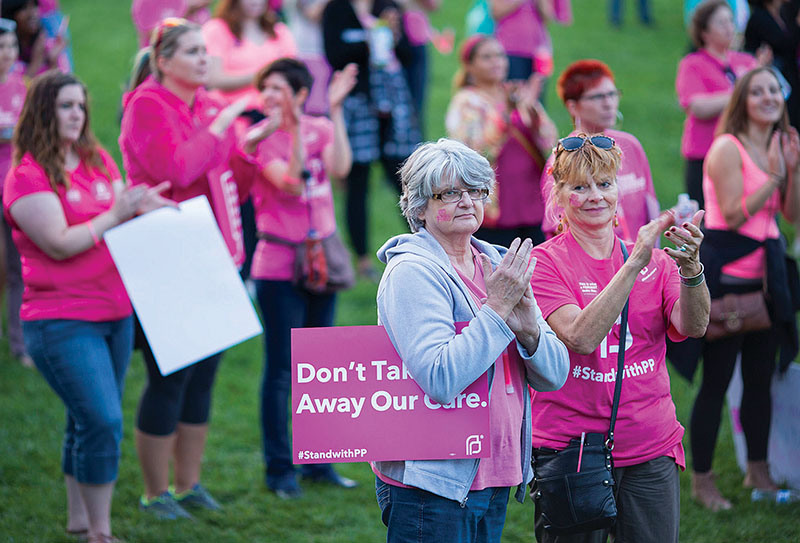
32,500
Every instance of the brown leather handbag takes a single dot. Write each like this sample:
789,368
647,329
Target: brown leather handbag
737,314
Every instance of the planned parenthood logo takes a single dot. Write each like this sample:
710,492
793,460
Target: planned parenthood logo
474,443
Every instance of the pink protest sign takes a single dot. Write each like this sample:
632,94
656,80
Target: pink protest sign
353,401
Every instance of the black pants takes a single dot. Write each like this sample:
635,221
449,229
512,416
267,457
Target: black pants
694,180
183,396
504,236
719,359
357,192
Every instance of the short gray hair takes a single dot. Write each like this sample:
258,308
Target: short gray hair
435,165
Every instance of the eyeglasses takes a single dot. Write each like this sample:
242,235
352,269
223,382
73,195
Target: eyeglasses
599,97
163,26
7,25
573,143
452,196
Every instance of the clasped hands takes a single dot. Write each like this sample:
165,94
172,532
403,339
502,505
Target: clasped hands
509,292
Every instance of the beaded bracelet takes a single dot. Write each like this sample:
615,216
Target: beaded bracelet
695,280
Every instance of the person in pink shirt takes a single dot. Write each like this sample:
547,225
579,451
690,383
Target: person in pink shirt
752,174
12,96
172,130
704,84
59,199
591,97
37,51
146,14
243,37
293,201
581,283
521,27
508,126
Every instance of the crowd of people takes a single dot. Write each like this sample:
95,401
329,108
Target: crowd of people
260,106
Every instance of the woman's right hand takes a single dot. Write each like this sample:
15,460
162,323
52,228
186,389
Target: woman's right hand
775,157
226,117
506,284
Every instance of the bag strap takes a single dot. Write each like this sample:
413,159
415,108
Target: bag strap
280,241
623,336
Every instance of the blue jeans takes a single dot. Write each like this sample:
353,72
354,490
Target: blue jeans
615,11
414,515
85,363
283,307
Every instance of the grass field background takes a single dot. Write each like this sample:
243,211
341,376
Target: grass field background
32,501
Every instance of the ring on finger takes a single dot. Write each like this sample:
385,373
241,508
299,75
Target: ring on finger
683,248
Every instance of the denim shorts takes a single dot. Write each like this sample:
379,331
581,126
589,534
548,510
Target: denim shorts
84,363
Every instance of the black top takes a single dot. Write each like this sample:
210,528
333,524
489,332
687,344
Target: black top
345,39
784,41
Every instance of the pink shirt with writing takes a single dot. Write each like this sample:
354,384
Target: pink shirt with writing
637,204
244,57
285,215
646,426
699,73
760,226
86,286
12,97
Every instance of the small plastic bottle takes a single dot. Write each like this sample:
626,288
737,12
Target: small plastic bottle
381,43
777,496
685,209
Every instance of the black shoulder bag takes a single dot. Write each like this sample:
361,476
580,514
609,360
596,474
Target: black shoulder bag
574,488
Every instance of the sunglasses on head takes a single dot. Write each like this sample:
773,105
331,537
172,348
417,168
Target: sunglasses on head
573,143
163,26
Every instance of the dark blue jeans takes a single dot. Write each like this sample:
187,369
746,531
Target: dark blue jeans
615,11
283,307
414,515
85,363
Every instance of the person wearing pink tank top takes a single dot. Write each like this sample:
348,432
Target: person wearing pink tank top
750,175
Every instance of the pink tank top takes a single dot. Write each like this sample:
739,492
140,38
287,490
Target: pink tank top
760,226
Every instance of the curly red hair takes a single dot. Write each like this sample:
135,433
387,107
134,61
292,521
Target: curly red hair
581,76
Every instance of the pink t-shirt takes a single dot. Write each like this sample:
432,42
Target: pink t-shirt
86,286
637,204
700,73
242,57
646,425
522,32
502,468
12,96
760,226
285,215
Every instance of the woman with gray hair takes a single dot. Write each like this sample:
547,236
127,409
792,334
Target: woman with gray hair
439,276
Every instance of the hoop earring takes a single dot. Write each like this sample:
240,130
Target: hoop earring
620,119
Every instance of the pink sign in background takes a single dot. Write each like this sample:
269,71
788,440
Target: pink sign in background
353,401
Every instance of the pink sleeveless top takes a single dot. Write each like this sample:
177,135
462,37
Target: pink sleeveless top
760,226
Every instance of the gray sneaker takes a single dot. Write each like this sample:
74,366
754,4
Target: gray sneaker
197,497
163,507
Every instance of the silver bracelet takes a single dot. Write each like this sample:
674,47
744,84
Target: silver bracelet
695,280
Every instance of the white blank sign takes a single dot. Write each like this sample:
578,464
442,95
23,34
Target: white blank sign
183,284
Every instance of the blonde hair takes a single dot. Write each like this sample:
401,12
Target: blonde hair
579,165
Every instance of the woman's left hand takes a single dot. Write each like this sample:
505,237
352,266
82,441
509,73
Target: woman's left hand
341,84
790,146
687,237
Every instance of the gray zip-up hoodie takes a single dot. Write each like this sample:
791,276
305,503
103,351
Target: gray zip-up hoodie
420,297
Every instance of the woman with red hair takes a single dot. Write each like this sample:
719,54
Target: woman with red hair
591,97
507,125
